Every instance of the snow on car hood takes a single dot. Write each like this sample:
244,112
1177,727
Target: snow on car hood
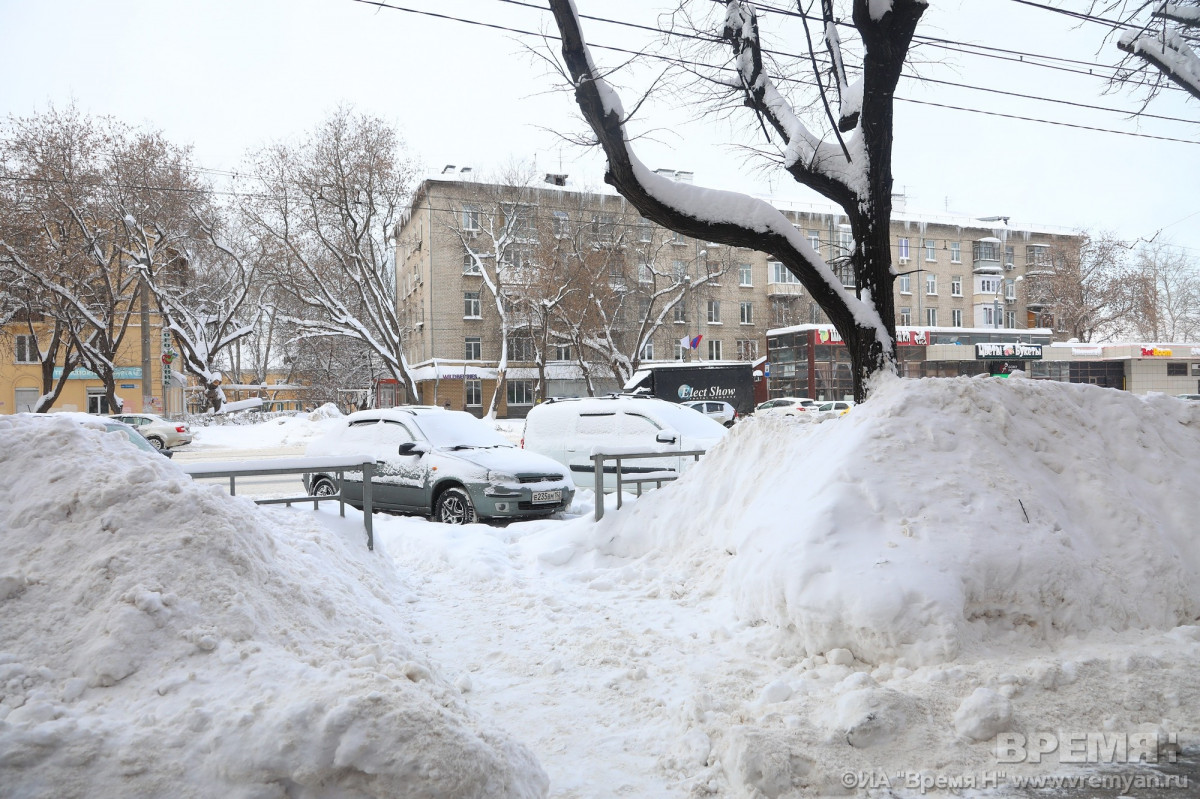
510,460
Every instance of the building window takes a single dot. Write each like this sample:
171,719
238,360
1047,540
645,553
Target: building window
647,351
814,241
989,285
956,317
680,313
645,273
778,273
746,313
845,241
956,252
470,264
97,402
714,349
1010,289
679,270
930,284
931,317
989,315
474,348
561,223
1010,319
645,229
562,352
471,306
1037,255
519,392
604,227
747,349
905,316
745,275
956,286
27,350
930,249
714,312
902,249
905,282
474,393
470,217
643,308
680,351
520,348
1176,370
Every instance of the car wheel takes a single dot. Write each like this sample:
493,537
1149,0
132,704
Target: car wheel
156,441
729,423
323,487
454,507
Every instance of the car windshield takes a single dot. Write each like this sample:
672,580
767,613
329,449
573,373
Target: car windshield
450,429
137,438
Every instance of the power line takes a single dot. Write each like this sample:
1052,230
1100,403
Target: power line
686,62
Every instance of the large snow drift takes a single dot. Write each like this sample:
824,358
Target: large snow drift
160,638
940,517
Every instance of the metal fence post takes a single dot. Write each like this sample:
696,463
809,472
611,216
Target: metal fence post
368,511
598,478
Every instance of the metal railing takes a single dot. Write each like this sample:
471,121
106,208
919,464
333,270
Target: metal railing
278,466
641,478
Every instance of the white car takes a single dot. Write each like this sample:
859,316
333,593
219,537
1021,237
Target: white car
721,412
786,406
162,433
570,430
827,410
447,464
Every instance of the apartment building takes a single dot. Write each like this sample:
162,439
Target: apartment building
571,290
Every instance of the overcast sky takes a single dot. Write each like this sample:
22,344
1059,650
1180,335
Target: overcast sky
229,75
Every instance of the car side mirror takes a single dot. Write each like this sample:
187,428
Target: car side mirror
411,448
666,437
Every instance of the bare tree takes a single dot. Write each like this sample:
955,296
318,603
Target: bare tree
850,163
1085,287
1166,304
1160,40
71,255
330,210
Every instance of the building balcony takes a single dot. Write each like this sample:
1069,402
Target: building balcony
784,289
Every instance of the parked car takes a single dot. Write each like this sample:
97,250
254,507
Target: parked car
162,433
786,406
135,437
836,408
721,412
569,430
447,464
1192,397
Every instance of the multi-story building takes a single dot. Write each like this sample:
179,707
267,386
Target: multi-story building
587,289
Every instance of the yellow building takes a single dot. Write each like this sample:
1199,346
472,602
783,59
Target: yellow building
139,372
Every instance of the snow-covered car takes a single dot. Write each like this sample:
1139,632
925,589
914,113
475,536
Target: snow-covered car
1190,397
570,430
721,412
162,433
447,464
786,406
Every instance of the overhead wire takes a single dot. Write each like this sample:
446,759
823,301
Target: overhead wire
690,63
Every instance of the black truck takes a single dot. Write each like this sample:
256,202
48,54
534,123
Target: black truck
726,381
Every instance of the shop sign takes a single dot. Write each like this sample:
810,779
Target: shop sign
461,376
1001,352
1155,352
120,373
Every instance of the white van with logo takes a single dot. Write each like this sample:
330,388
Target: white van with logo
571,430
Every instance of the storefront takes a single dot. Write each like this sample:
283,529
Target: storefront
811,360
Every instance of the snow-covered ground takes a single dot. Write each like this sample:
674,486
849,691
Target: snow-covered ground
955,566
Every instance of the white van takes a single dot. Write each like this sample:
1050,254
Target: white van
570,430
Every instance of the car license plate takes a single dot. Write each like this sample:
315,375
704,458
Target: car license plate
547,496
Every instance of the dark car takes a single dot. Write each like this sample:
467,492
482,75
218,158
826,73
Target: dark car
447,464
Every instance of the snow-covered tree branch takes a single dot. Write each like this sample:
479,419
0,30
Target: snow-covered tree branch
857,177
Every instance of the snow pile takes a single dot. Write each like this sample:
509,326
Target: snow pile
940,517
294,431
161,638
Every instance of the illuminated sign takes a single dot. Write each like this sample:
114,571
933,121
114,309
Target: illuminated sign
1155,352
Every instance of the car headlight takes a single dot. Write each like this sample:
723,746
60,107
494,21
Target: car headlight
502,484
